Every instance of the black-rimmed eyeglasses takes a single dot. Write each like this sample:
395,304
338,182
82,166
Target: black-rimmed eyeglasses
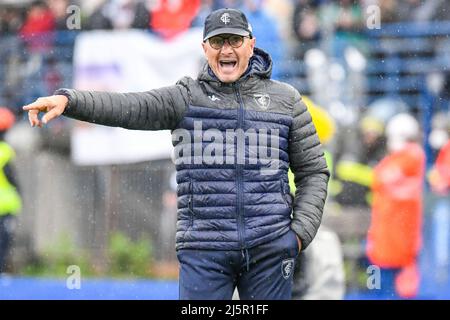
234,41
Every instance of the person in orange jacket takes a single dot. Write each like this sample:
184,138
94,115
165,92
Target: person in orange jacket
394,237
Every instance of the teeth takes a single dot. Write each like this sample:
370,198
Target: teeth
222,63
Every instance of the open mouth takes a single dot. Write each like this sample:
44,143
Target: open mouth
227,65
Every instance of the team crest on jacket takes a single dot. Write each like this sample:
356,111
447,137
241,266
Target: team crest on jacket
287,267
263,100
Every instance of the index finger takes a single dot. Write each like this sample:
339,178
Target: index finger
37,105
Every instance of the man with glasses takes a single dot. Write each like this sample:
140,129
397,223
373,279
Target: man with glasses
238,226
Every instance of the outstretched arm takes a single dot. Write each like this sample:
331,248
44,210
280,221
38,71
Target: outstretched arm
308,164
156,109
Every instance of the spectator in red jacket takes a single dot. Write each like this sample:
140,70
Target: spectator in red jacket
39,21
170,18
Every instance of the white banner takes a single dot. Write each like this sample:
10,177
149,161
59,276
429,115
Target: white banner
129,61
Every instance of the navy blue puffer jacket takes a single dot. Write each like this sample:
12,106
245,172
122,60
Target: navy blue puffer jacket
234,144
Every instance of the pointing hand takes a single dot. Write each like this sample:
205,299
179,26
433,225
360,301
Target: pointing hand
53,106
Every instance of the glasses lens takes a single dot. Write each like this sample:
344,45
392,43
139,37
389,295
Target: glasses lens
216,42
236,41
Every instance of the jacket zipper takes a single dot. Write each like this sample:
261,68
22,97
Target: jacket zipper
239,174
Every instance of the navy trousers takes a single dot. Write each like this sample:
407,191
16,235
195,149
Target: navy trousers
260,273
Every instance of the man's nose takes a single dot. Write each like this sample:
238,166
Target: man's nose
226,46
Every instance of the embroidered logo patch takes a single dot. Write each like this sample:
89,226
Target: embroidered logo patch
225,18
213,98
287,268
263,100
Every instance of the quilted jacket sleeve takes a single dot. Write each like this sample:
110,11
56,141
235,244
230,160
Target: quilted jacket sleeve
308,164
156,109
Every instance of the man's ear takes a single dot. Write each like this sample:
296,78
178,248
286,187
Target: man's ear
204,47
253,43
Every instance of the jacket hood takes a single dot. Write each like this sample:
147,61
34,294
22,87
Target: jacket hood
260,65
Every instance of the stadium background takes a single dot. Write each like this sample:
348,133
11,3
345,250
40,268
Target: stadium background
93,199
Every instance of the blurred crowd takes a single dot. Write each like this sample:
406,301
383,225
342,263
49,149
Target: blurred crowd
279,25
309,18
287,29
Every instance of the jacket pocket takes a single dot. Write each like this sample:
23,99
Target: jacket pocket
296,245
